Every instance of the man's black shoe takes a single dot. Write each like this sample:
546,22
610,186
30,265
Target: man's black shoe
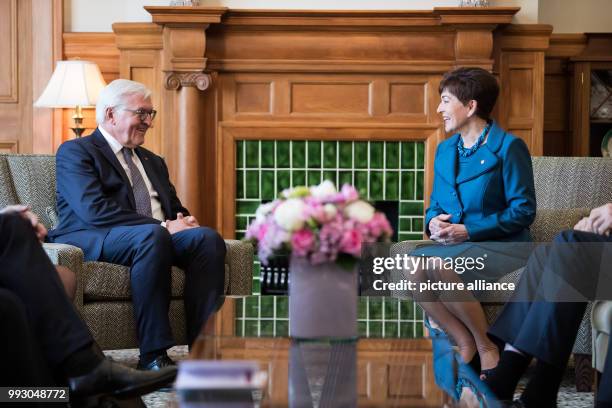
159,363
120,381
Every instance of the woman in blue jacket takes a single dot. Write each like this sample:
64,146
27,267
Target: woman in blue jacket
483,190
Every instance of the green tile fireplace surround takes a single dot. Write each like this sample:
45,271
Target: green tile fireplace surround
390,172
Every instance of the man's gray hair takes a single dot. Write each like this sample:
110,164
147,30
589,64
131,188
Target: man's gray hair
115,93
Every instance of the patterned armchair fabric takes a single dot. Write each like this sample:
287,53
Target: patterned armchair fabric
103,289
566,189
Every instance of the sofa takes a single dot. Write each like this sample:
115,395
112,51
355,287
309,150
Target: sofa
103,295
566,189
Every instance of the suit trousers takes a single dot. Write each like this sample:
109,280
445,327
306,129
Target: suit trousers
150,251
538,321
28,274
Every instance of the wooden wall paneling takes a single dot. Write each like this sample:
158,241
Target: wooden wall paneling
558,92
339,97
556,108
143,66
521,66
581,94
29,35
96,47
395,372
9,146
9,74
8,52
25,71
58,54
47,27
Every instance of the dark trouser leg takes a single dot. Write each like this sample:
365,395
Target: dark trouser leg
508,324
148,250
200,252
547,330
21,352
28,273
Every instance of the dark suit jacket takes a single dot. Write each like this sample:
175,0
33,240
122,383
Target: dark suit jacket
94,193
495,197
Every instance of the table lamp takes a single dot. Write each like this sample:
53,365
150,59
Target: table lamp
74,84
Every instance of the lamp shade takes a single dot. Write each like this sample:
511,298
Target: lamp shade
73,83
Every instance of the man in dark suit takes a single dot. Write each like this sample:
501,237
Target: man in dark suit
45,342
116,202
543,318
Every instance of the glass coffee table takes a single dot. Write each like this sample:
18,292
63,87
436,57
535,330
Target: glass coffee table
368,372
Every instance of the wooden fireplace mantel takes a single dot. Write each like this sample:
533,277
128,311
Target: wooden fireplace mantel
333,18
221,75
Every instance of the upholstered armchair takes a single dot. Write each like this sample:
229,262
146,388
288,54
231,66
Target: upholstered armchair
566,189
103,289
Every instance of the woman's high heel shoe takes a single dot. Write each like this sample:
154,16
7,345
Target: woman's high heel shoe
452,374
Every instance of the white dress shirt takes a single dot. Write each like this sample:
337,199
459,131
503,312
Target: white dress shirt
116,147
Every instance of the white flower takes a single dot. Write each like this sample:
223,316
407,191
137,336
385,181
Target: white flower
359,211
263,210
289,215
323,190
330,210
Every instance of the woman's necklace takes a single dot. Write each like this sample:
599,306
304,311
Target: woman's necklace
465,152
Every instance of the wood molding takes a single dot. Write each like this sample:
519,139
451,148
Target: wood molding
476,15
525,37
230,132
566,45
366,19
97,47
9,146
598,48
9,77
138,36
185,16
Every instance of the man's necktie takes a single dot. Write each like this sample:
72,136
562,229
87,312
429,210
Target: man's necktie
141,193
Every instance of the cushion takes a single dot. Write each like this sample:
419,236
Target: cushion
34,179
107,282
7,190
549,222
572,182
111,282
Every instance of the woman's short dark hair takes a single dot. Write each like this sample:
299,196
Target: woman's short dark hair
472,83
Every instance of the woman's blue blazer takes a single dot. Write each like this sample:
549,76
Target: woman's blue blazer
494,197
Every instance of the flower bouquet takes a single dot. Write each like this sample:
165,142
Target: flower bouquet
323,230
318,223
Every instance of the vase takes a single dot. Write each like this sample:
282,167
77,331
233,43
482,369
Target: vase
322,300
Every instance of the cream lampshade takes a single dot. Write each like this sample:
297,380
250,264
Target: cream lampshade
74,84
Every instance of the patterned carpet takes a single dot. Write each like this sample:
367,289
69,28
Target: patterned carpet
568,397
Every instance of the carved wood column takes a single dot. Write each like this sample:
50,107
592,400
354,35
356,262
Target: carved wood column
188,134
187,80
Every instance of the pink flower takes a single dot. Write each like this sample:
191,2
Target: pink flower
379,226
318,223
349,192
302,242
351,242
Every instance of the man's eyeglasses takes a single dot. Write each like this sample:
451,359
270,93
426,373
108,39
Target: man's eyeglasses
143,114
